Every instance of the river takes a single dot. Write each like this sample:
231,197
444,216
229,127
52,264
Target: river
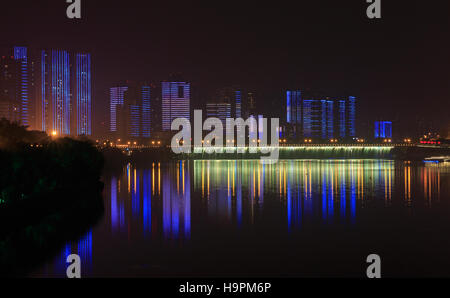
296,218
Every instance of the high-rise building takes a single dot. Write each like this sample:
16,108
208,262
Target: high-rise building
65,93
55,99
351,116
130,111
383,129
146,121
219,110
294,107
312,118
83,94
238,101
320,118
17,99
342,116
175,102
9,103
327,119
116,100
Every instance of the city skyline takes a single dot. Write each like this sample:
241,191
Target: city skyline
387,65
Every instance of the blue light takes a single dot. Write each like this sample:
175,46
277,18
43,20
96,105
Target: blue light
383,129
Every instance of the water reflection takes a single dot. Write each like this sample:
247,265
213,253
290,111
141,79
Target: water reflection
235,191
169,202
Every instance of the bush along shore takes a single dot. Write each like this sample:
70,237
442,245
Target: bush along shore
50,193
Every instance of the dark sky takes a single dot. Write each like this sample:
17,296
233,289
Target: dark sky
397,66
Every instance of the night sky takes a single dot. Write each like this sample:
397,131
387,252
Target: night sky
398,66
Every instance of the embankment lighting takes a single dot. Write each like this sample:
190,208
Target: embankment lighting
54,133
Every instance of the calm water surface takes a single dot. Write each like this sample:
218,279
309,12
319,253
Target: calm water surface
297,218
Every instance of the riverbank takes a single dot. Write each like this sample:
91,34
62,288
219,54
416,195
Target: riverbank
49,193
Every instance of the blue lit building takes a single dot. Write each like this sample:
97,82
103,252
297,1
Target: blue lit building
131,111
312,118
116,100
383,129
293,107
238,101
327,119
55,99
342,116
219,110
64,104
24,76
351,116
146,123
83,94
175,102
17,94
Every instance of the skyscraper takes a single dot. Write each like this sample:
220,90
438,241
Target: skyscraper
342,116
9,103
130,111
146,122
116,99
219,110
327,119
294,107
312,118
17,83
55,99
83,94
65,101
175,102
25,87
352,116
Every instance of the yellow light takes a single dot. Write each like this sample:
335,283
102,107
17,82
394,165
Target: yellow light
54,133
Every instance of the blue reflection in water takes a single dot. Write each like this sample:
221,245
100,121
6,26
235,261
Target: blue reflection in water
155,202
176,202
147,202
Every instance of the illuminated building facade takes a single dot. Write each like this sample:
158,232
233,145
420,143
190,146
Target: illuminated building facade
116,100
219,110
55,99
320,118
294,107
238,101
383,129
83,94
17,95
146,123
327,119
351,116
312,118
175,102
65,93
9,104
130,110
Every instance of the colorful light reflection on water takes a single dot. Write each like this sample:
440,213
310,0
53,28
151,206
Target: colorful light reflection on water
176,208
